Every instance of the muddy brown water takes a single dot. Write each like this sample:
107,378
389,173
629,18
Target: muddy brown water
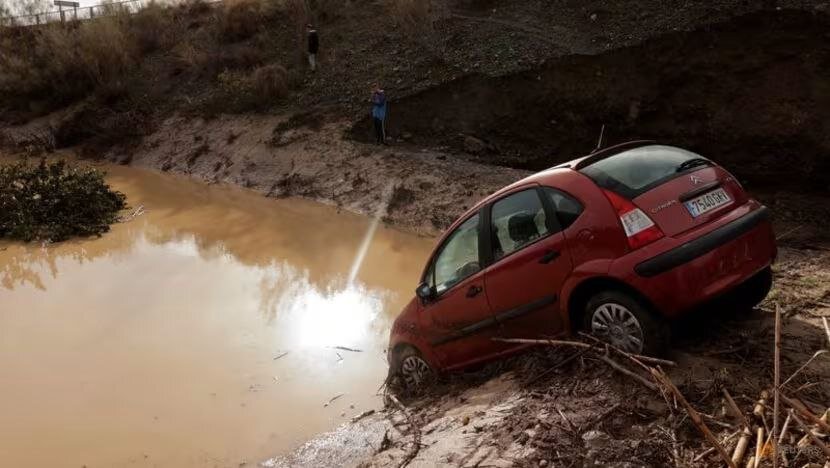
155,345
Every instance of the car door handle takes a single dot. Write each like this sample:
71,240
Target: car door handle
474,290
549,256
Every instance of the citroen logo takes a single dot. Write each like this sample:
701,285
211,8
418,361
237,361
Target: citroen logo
695,179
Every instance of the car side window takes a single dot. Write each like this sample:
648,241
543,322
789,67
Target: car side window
567,208
516,221
458,258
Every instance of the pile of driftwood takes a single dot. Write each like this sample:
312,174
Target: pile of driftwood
781,429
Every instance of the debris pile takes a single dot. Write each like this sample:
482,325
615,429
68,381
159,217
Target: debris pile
52,201
628,409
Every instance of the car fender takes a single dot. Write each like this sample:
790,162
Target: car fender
597,268
406,331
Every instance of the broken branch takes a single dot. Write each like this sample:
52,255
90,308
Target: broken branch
416,432
806,429
693,414
798,406
619,368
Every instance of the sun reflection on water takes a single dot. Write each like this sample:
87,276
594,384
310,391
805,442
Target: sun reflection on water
337,313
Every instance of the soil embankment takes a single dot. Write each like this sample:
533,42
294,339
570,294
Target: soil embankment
750,92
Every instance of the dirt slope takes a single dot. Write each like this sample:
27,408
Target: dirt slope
750,92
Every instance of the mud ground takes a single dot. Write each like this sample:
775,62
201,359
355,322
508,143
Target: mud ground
559,407
508,413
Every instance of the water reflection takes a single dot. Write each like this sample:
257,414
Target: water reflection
160,336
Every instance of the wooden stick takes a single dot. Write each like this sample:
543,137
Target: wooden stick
805,440
798,371
758,411
634,357
777,388
798,406
806,429
784,430
627,372
580,344
826,330
740,448
416,432
693,414
712,449
734,408
759,446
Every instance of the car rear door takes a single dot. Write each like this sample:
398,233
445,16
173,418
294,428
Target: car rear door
528,264
459,322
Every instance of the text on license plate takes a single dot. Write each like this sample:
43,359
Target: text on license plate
707,202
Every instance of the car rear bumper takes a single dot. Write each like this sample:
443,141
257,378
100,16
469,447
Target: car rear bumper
702,245
702,266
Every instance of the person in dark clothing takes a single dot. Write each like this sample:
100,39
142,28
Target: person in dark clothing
379,114
313,46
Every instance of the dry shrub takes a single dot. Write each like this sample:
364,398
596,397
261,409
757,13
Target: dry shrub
410,13
419,18
152,28
61,63
239,19
270,81
238,57
194,7
190,56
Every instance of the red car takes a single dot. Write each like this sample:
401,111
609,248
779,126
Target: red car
617,243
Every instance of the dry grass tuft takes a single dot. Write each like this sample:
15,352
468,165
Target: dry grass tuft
240,19
271,81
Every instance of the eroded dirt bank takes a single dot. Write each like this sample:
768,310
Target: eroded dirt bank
749,92
426,190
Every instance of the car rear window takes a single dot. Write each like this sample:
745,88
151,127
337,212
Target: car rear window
636,171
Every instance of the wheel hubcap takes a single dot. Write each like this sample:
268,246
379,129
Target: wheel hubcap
616,324
415,371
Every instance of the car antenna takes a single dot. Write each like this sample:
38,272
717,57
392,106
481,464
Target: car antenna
599,142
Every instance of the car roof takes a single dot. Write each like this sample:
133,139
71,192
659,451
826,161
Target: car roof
550,174
603,153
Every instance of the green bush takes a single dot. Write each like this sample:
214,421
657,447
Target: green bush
53,202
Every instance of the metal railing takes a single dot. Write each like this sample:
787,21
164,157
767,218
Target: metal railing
74,14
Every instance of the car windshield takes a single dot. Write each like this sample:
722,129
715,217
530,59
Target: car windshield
636,171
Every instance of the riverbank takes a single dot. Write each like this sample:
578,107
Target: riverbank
504,414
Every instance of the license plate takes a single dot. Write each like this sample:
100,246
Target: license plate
707,202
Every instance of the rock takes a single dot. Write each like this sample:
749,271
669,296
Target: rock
474,145
596,439
543,463
593,16
406,136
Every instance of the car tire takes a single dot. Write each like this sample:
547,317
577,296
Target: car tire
626,322
413,372
752,292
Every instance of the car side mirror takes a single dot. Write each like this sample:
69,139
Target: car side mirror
424,292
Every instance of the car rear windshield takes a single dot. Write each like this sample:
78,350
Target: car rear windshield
636,171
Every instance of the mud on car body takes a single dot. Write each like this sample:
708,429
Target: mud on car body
617,243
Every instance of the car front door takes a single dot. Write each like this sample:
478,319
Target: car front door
528,264
458,317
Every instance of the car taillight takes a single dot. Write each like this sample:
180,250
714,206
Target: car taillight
639,228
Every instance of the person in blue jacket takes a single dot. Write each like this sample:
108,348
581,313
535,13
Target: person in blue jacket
379,114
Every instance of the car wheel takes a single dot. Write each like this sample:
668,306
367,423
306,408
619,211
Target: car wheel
625,322
754,290
413,370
